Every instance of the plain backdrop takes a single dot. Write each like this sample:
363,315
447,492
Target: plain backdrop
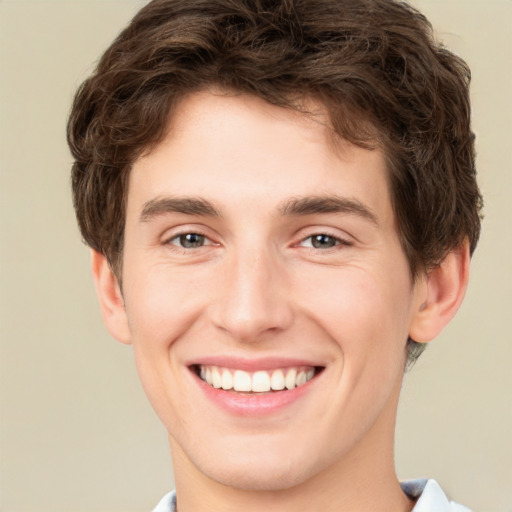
76,432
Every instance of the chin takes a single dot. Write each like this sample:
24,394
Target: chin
262,470
249,478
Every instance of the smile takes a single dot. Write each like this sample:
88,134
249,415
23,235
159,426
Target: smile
262,381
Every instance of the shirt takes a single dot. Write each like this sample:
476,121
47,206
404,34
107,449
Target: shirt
428,493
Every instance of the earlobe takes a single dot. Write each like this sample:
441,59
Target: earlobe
440,294
110,298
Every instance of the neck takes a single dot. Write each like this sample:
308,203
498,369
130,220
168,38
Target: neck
364,479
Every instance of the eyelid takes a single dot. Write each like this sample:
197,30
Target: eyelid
171,234
341,237
179,235
338,242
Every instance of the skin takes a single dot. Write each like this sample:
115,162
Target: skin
257,288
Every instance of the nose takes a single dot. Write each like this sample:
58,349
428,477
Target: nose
252,297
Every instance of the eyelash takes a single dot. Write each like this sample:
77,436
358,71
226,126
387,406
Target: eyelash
337,241
182,236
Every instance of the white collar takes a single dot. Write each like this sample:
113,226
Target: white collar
430,496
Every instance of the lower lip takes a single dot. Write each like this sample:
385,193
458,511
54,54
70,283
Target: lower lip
253,404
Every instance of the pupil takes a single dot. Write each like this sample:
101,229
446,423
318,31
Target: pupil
323,241
191,240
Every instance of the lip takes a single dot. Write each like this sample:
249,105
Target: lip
253,404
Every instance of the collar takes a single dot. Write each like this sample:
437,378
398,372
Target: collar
428,493
430,497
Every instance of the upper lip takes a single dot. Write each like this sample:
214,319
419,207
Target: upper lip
252,364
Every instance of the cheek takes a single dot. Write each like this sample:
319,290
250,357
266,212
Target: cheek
162,304
364,312
166,302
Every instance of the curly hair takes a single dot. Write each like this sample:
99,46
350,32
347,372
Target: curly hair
374,64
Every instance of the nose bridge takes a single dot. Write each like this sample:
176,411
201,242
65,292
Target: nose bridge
252,295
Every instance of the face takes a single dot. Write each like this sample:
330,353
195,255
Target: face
267,296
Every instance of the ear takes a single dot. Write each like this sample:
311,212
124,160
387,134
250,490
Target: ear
110,297
439,294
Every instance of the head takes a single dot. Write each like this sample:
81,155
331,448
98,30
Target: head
369,72
375,66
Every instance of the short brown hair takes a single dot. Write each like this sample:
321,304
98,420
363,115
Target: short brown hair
374,64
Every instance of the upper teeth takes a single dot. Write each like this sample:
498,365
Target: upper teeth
260,382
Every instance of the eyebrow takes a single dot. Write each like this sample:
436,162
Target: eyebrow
297,206
183,205
311,205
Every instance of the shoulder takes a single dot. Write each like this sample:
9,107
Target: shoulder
430,497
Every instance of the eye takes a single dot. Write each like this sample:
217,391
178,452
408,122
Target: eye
322,241
190,240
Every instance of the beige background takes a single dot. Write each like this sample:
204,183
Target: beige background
76,432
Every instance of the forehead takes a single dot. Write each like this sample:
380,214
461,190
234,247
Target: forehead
238,149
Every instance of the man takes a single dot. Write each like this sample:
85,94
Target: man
281,202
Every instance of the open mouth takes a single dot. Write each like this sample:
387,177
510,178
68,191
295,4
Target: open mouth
261,381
